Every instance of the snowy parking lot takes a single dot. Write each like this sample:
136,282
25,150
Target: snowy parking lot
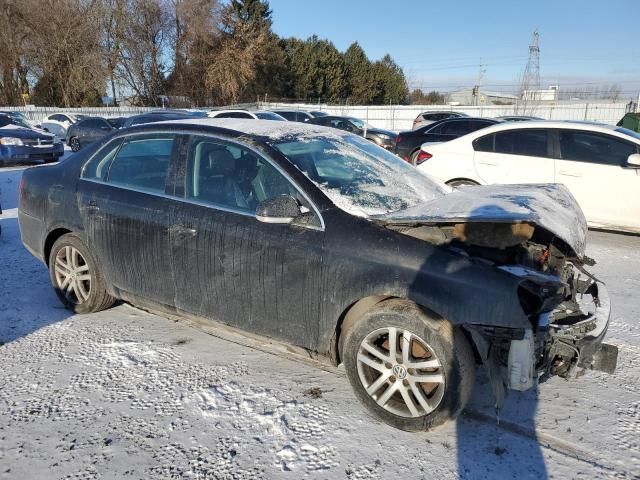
127,394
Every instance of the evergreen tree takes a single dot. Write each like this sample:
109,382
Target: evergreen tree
361,85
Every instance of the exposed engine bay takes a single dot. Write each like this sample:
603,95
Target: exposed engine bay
568,308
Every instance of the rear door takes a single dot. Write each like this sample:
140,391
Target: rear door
593,166
261,277
125,209
515,156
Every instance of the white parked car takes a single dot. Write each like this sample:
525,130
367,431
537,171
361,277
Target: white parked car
600,164
257,115
58,123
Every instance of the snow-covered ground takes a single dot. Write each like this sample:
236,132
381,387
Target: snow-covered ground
127,394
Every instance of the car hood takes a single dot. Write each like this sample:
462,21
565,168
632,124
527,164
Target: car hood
21,132
376,131
548,206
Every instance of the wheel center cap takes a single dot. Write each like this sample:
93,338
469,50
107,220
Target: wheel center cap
399,371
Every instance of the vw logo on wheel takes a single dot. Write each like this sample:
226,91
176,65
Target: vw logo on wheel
399,371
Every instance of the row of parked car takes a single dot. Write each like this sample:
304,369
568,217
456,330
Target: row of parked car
600,164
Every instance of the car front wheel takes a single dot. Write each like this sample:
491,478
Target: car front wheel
75,276
410,369
74,143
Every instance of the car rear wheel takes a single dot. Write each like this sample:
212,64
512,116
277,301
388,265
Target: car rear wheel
410,369
75,276
74,143
463,183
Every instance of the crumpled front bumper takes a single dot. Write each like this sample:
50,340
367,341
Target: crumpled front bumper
580,345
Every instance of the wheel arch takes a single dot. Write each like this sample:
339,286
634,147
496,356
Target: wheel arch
357,309
52,237
464,179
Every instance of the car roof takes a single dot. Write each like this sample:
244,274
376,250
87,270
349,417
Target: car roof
230,110
247,126
453,112
550,124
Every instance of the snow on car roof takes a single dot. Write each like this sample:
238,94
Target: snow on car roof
268,128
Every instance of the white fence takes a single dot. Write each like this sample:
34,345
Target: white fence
391,117
400,117
37,114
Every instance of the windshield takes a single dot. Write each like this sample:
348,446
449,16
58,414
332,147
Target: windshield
4,121
626,131
269,116
361,124
358,176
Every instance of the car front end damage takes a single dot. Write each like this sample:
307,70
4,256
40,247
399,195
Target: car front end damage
537,234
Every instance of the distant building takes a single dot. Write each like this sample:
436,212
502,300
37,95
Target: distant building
469,96
542,95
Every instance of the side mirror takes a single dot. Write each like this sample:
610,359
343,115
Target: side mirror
280,209
634,160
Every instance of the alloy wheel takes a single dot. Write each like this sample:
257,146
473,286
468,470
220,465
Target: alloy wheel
400,372
74,144
72,275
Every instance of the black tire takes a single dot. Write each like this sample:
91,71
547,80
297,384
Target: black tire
97,296
74,143
462,183
447,344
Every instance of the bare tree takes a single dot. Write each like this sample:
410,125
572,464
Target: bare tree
145,36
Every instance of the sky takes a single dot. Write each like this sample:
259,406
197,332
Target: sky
440,44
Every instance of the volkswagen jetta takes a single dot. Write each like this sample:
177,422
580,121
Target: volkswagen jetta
322,239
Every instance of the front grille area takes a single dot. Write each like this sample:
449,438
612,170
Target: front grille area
31,142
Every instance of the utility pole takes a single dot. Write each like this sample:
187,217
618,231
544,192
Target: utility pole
531,76
478,88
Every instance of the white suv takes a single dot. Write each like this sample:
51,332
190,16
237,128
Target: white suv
600,164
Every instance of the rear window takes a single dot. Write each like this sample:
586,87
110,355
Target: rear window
531,143
484,144
268,116
142,163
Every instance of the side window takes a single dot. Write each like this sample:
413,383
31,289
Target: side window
231,176
58,118
91,123
484,144
456,127
291,116
594,148
97,167
532,143
142,163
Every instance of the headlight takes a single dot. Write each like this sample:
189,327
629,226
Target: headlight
11,141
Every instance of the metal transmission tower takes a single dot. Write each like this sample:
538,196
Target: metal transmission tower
531,76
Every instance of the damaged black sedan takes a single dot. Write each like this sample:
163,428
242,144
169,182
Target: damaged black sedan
322,239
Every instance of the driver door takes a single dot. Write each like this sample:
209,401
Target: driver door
230,267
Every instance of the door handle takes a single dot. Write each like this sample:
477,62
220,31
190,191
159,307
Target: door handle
568,173
92,206
487,162
183,231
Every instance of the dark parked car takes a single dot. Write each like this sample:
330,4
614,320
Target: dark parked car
152,118
408,143
20,143
324,240
383,138
429,117
87,131
295,115
318,113
116,122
